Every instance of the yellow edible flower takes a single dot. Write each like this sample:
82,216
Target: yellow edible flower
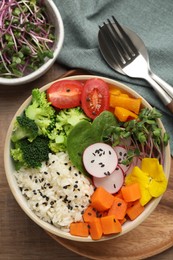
151,178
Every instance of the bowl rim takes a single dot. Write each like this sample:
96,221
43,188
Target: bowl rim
126,227
41,70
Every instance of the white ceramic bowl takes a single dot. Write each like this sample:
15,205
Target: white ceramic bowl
55,18
9,169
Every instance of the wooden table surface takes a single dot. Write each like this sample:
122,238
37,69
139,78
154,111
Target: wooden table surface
20,238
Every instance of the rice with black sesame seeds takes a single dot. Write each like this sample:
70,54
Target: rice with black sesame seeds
57,192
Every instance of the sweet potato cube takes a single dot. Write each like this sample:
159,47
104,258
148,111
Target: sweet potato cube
79,229
118,208
101,199
135,210
95,228
110,225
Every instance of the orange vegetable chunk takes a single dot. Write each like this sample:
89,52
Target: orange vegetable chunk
131,192
89,214
95,229
122,221
118,209
114,91
132,104
101,199
124,114
79,229
135,210
110,225
119,194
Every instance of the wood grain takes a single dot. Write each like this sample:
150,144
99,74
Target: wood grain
22,239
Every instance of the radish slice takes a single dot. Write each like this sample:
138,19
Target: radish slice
100,160
112,183
122,155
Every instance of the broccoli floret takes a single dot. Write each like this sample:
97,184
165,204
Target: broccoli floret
30,154
24,127
66,119
41,111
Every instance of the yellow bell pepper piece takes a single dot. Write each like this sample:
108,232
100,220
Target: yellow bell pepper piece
151,178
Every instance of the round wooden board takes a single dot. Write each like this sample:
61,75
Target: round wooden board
152,237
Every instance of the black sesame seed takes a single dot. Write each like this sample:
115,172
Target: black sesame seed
36,204
110,152
119,204
92,161
114,186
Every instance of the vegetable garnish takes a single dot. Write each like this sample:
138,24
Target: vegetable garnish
26,37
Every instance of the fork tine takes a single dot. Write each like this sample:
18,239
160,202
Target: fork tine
123,48
124,36
110,45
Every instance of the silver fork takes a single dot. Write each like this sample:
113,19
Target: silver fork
118,49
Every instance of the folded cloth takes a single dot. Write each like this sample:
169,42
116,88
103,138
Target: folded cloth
150,19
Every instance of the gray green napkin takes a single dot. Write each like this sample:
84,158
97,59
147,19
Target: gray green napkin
152,20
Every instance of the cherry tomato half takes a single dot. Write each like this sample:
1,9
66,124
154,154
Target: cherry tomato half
95,97
65,94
